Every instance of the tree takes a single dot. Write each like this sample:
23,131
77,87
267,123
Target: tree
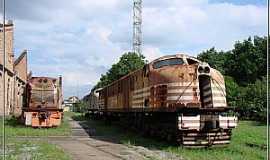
128,62
80,106
215,59
255,98
232,91
247,60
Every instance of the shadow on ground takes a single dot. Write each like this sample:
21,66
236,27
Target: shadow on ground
115,133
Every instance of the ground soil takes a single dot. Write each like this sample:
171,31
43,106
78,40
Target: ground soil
84,146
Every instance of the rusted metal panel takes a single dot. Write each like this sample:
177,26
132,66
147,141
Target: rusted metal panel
44,100
43,92
126,93
218,89
168,86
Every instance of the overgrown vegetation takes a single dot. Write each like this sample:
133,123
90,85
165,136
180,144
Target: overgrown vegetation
248,141
80,106
28,143
33,149
15,129
245,69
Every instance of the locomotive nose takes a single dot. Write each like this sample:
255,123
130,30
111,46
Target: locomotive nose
203,69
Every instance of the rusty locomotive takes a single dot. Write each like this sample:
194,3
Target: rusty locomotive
176,97
43,102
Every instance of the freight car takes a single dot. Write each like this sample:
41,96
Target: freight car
43,102
176,97
94,101
93,104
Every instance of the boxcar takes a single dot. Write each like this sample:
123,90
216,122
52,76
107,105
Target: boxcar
176,97
43,102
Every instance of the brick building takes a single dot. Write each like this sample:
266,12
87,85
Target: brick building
15,74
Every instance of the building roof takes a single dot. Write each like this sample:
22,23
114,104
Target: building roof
23,54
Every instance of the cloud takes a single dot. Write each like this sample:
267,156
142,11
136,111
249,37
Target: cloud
193,27
82,39
151,53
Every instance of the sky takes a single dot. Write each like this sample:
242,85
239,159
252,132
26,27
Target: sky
81,39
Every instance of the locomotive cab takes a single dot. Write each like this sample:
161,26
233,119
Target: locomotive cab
177,77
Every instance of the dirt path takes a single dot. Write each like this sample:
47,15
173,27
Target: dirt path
82,146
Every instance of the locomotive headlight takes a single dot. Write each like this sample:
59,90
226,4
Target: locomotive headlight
200,69
203,68
206,70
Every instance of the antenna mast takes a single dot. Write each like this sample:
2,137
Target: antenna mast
137,26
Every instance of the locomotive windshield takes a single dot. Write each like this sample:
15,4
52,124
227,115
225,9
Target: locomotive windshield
168,62
192,61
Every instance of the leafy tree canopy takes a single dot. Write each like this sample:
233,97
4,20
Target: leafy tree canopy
214,58
128,62
246,62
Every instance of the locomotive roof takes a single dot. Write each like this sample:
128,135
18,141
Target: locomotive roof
179,55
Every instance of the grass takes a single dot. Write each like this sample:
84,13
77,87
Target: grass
34,150
14,129
248,142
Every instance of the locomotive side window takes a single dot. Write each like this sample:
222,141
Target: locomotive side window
168,62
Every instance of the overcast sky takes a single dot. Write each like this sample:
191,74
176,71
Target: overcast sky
80,39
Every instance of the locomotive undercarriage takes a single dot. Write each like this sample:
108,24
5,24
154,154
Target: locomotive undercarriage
38,118
207,139
165,126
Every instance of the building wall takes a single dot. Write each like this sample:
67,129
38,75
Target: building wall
8,45
9,68
20,66
15,75
1,91
19,97
8,94
20,69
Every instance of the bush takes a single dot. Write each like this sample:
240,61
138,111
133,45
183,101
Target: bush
250,101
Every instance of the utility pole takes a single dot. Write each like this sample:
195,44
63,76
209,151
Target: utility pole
137,26
4,81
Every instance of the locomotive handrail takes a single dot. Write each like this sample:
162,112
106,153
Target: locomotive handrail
184,91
